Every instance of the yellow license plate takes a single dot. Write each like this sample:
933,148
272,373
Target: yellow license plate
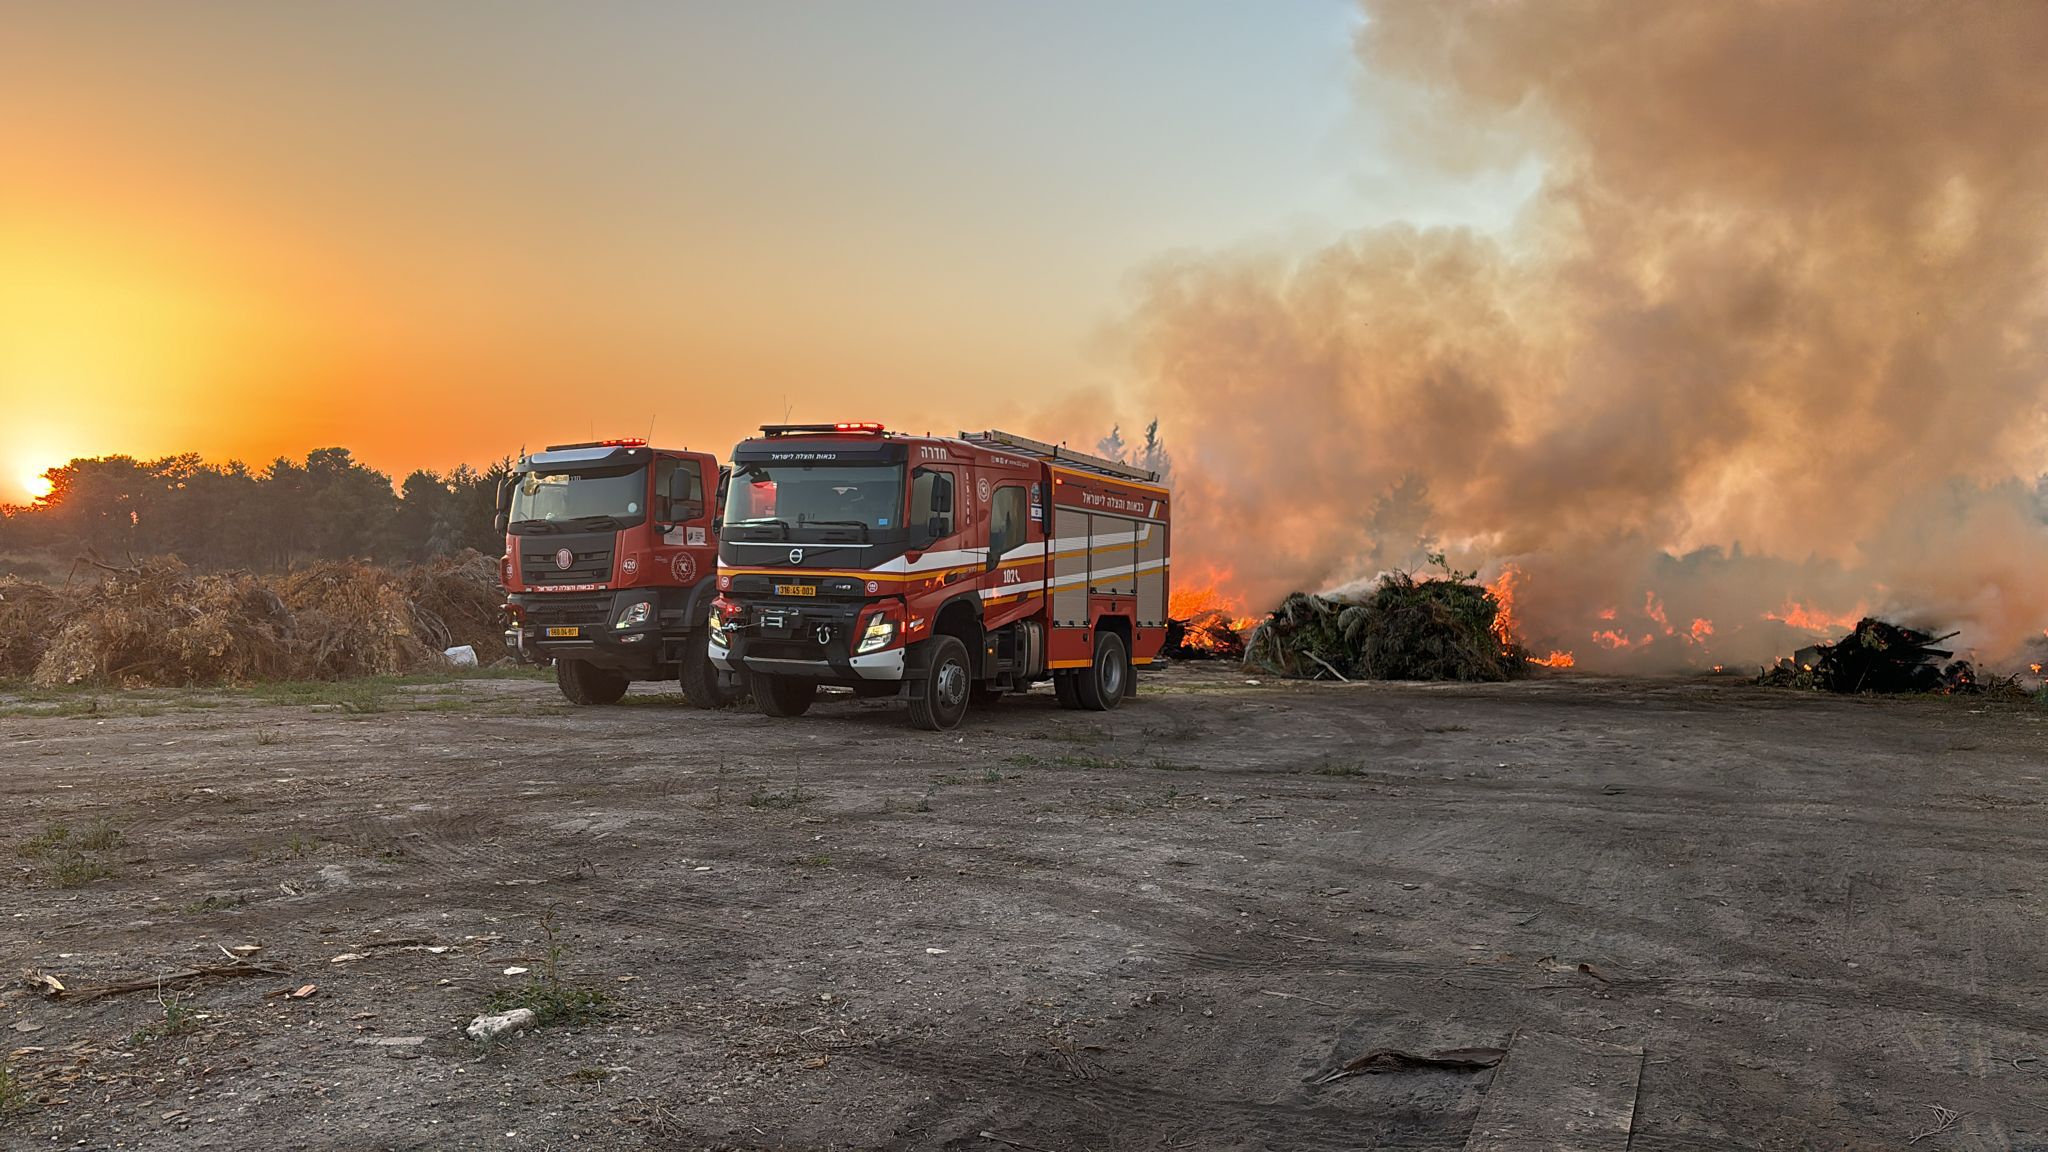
796,589
565,631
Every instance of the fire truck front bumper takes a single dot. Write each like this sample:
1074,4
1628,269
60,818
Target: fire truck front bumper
778,660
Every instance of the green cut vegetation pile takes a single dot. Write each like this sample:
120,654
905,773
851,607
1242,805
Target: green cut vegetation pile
1400,629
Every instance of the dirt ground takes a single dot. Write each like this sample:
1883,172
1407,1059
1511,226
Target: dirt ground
1695,914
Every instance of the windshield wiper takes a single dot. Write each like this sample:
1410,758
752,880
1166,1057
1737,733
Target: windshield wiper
604,520
761,523
860,524
533,526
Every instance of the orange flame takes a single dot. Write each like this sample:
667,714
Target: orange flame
1504,629
1701,629
1798,615
1209,612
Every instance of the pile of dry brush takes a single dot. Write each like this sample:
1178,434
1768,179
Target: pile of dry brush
158,623
1401,629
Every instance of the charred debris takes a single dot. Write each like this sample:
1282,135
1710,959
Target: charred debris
1879,656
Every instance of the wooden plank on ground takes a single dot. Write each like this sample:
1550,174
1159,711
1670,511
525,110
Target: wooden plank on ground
1559,1094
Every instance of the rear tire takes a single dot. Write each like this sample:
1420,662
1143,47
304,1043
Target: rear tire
783,696
700,676
1101,686
939,701
585,683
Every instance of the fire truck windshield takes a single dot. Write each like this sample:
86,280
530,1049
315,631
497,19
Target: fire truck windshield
789,499
588,500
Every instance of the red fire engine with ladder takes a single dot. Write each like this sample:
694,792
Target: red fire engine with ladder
940,569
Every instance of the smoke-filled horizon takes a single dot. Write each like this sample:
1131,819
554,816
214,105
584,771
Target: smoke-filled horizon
1768,349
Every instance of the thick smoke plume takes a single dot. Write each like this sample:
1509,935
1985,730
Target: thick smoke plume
1768,349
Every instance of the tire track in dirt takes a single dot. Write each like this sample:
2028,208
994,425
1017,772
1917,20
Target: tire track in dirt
1220,1121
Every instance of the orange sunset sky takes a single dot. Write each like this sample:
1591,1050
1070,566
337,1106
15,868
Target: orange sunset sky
436,233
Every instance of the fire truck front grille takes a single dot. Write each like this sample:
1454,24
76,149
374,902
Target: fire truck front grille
588,564
554,611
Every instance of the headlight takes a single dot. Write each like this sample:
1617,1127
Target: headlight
880,631
637,613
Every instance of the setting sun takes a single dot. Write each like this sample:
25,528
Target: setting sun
36,485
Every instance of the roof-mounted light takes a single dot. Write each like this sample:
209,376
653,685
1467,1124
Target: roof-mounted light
862,427
598,444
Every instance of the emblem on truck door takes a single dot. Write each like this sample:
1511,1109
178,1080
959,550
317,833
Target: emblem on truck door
796,555
564,559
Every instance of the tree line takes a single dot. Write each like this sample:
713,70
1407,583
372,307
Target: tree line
329,506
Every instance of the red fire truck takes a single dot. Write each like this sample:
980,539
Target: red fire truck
610,550
938,569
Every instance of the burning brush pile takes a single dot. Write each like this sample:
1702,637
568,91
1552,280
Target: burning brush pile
1879,656
157,623
1446,628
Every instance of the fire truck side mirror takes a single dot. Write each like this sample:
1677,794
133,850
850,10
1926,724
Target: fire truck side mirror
504,501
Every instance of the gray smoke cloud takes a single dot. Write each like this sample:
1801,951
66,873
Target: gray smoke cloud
1770,342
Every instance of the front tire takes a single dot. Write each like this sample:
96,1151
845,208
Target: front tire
939,701
1101,686
783,696
585,683
700,676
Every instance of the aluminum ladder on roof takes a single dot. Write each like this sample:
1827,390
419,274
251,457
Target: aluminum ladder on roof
1062,454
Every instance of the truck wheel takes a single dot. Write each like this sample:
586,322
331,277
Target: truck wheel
940,700
1063,688
700,676
783,696
585,683
1101,686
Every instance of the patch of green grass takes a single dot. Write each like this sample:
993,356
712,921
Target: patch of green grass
14,1096
1161,764
1337,770
762,798
51,838
213,904
1082,736
818,861
101,837
72,861
991,776
545,993
177,1020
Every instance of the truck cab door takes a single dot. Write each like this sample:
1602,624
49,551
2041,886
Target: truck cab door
1013,577
685,514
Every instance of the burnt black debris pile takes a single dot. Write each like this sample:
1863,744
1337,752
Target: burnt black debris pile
1879,656
1400,629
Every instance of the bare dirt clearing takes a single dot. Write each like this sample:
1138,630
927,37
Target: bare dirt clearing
1717,916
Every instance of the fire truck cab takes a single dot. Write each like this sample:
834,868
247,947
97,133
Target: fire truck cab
610,550
940,569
